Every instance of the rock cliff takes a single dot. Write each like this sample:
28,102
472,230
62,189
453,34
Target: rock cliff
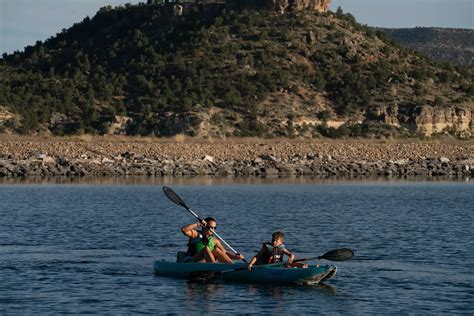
437,120
428,120
315,5
5,115
281,6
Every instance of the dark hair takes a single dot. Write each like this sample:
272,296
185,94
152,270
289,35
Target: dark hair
208,219
278,235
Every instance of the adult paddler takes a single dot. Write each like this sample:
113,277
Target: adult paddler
203,246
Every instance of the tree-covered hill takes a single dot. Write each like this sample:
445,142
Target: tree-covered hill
140,71
454,45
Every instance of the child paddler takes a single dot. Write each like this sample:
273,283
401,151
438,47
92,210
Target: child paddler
202,246
273,252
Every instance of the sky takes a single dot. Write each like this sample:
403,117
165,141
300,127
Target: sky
23,22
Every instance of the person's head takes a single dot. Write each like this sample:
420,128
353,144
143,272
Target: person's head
277,238
211,224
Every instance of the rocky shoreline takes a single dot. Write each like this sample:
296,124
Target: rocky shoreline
237,158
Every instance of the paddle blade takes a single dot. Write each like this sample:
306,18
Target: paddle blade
173,197
338,255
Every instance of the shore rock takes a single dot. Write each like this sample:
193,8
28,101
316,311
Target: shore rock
20,158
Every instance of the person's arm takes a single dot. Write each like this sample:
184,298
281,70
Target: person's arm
252,262
219,245
290,255
231,255
234,256
254,259
191,229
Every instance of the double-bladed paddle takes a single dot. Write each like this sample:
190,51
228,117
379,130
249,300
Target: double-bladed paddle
338,255
170,194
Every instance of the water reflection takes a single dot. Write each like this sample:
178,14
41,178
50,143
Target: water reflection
274,291
201,295
329,289
208,296
215,180
279,291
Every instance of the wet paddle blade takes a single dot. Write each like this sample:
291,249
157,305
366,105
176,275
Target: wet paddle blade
173,197
338,255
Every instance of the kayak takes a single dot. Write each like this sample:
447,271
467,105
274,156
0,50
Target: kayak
279,274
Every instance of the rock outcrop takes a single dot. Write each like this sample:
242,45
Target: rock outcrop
436,120
294,5
314,5
5,114
281,6
429,120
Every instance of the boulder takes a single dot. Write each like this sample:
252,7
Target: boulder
39,155
269,158
401,162
208,158
49,160
258,161
444,160
106,160
271,172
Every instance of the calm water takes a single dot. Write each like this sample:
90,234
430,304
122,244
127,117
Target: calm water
86,248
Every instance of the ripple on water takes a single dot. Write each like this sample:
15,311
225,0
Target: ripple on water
90,249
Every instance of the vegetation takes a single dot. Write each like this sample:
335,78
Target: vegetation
453,45
166,73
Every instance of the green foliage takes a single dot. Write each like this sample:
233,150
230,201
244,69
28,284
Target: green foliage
356,130
468,88
217,119
331,132
444,44
250,127
137,61
324,116
439,101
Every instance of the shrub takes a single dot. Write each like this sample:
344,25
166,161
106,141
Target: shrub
439,101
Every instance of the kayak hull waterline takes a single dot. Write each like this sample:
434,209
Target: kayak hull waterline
270,274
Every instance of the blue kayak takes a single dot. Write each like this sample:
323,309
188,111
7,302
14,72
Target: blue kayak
279,274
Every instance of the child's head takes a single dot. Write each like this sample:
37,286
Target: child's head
277,238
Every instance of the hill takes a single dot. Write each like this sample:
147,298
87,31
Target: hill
454,45
215,72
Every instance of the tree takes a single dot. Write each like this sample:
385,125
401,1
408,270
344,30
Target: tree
439,101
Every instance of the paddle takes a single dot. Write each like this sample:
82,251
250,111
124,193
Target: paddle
338,255
333,255
170,194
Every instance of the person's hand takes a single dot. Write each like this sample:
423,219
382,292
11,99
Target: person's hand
250,267
290,261
239,256
203,223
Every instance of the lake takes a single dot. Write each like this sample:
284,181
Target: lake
89,247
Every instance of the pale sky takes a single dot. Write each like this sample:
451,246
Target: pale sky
23,22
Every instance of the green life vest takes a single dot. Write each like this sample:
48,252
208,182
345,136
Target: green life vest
197,244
